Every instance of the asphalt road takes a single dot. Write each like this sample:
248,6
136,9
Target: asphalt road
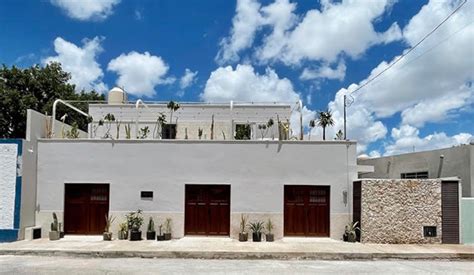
61,265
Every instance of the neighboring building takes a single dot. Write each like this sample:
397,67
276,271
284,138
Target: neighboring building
450,162
408,210
203,184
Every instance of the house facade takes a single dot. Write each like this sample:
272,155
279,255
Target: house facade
203,166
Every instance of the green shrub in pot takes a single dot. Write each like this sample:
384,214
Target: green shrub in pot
257,228
135,221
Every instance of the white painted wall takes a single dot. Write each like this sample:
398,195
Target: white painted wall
256,171
8,172
190,117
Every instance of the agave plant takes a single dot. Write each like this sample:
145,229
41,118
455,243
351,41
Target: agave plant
351,231
257,227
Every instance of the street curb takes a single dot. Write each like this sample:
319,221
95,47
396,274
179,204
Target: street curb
229,255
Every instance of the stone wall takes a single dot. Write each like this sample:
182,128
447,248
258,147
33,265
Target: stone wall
395,211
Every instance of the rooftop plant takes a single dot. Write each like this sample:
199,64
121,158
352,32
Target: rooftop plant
325,120
173,107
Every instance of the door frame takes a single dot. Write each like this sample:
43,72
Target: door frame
328,211
83,183
230,208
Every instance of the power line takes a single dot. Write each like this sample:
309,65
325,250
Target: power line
426,52
409,50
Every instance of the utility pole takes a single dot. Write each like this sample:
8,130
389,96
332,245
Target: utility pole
345,106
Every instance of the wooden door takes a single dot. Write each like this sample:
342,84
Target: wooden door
85,208
450,212
207,210
306,211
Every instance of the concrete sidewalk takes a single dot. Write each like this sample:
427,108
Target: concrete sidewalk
225,248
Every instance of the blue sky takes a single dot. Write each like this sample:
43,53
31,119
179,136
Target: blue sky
278,50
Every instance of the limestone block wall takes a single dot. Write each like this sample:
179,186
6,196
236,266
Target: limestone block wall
395,211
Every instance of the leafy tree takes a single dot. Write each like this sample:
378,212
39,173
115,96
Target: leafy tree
37,88
324,120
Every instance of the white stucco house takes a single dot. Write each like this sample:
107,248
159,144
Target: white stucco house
203,167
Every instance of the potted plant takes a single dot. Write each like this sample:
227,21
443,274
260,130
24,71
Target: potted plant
107,234
257,228
54,233
243,235
123,231
269,237
135,221
350,234
151,233
167,233
160,236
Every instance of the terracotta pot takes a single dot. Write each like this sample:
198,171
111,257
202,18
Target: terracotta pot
160,237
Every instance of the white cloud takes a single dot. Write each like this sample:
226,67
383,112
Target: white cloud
319,35
281,18
187,79
86,9
80,62
407,139
325,71
139,73
431,84
244,25
244,84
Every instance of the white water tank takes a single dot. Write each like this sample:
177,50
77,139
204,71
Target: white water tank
117,96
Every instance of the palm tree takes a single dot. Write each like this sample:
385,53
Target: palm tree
325,120
172,106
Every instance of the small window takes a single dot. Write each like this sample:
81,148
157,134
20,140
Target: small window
168,131
243,132
146,195
429,231
415,175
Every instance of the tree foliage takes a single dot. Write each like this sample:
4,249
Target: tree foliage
37,88
324,120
